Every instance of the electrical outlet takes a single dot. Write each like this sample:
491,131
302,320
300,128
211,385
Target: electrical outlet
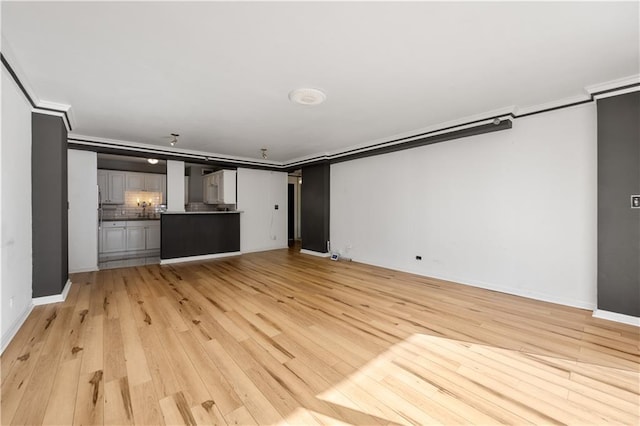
11,302
276,207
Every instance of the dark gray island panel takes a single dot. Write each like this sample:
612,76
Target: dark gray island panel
189,234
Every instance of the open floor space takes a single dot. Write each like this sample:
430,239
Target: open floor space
282,337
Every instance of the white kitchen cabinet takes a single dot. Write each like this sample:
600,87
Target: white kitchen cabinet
152,236
153,182
103,185
114,238
135,181
136,238
129,236
219,187
112,186
210,188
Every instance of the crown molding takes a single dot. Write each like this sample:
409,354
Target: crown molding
399,141
400,138
38,105
138,147
549,106
14,67
613,85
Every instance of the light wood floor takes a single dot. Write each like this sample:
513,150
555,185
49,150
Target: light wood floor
279,337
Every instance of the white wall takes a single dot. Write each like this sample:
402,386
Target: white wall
15,233
83,213
513,211
175,186
261,226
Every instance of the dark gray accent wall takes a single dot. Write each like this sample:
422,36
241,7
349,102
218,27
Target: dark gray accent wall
618,223
314,209
49,204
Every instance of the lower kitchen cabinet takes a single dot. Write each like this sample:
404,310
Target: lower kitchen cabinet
152,235
130,236
136,237
114,238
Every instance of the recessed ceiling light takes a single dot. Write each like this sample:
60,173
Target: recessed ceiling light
152,161
306,96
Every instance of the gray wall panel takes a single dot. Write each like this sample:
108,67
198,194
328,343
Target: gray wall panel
314,210
618,224
49,205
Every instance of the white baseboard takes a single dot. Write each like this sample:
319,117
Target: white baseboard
56,298
529,294
89,269
201,257
314,253
8,336
613,316
278,247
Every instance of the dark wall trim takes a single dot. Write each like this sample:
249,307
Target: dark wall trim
376,149
16,79
26,95
122,149
457,134
413,141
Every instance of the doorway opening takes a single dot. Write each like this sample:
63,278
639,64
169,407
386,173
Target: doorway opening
293,207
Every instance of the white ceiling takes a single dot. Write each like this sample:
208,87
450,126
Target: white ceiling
219,73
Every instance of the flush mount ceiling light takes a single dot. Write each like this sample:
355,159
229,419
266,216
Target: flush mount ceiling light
152,161
174,141
306,96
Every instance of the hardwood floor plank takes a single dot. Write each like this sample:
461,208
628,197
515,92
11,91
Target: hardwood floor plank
219,388
19,345
280,337
145,404
117,403
61,404
89,404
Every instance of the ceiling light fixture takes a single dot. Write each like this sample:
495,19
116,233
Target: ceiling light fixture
307,96
152,161
264,153
496,121
174,141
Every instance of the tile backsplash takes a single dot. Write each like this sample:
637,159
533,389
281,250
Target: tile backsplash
133,205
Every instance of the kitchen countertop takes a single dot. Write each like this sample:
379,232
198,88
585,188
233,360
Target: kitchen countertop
216,212
130,218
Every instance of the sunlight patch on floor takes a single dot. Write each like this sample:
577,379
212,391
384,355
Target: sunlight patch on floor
429,379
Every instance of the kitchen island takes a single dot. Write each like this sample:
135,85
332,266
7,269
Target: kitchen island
190,236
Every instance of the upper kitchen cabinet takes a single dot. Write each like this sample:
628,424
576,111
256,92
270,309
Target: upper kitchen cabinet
135,181
112,186
219,187
144,182
153,182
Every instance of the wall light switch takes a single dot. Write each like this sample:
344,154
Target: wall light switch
635,201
